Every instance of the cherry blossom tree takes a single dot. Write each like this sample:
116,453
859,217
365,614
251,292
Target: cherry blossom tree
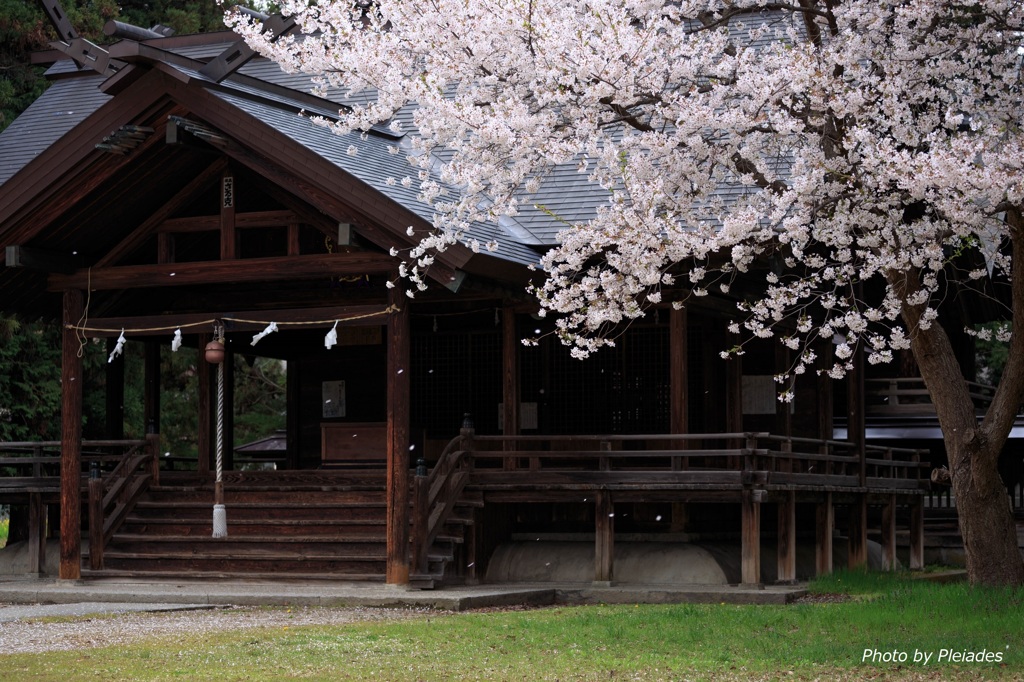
866,147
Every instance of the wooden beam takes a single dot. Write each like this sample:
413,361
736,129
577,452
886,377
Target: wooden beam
187,194
243,221
398,440
510,380
751,538
823,536
273,269
17,256
787,538
71,441
604,538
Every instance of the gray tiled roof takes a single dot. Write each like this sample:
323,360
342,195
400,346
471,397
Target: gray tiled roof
373,164
64,105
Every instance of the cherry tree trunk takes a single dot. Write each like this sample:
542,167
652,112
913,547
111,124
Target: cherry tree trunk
983,505
985,516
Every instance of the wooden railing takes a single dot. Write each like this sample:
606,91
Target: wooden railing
758,457
30,472
112,497
36,464
435,495
652,462
909,396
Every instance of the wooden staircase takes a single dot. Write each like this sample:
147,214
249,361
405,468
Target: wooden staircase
326,527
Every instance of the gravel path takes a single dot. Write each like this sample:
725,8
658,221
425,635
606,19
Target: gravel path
34,635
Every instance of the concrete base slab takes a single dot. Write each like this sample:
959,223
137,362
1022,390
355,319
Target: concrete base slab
193,594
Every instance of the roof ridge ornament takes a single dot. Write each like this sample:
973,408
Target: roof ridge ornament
233,58
83,52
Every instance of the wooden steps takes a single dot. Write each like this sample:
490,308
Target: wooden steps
334,529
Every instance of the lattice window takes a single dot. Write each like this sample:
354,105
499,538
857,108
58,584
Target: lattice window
454,373
624,389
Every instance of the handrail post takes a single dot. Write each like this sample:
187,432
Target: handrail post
95,518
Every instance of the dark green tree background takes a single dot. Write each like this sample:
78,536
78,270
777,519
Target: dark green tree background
30,353
24,29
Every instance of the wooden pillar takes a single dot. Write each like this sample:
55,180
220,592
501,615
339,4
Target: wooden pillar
151,387
734,394
679,421
604,538
751,538
228,245
398,440
114,396
229,408
71,442
917,534
825,522
858,540
787,538
783,411
203,434
679,418
889,534
510,381
826,405
36,533
293,421
855,424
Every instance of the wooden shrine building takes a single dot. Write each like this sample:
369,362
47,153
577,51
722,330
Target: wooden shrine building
167,183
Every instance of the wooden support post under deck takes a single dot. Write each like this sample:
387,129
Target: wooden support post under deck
917,534
203,440
36,533
751,538
889,534
510,381
825,522
787,538
604,538
71,442
398,441
858,540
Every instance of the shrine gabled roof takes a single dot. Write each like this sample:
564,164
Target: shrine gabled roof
76,95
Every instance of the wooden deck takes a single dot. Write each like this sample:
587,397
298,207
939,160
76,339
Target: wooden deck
745,469
332,523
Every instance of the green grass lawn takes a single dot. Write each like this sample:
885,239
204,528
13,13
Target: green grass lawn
894,615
